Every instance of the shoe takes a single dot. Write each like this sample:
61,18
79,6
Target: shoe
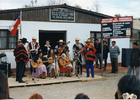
21,81
92,76
104,68
24,76
87,76
16,80
112,72
116,72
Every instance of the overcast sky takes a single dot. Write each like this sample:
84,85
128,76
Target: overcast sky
109,7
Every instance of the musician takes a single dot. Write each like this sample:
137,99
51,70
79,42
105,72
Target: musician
60,45
51,64
41,71
33,48
21,58
47,48
65,56
78,47
89,53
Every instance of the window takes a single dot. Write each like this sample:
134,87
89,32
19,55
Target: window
7,40
97,35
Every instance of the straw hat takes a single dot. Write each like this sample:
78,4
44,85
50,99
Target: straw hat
34,37
19,40
88,40
77,39
60,41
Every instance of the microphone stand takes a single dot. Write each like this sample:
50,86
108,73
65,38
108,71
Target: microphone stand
32,71
77,58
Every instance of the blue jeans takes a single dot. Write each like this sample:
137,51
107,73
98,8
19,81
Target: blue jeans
131,68
92,69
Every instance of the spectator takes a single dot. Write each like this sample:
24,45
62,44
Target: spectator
36,96
134,59
114,53
128,88
105,53
81,96
4,89
97,46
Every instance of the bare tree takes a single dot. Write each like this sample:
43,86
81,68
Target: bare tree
56,2
77,6
96,6
33,3
117,15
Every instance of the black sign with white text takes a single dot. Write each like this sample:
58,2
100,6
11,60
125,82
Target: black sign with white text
117,28
62,14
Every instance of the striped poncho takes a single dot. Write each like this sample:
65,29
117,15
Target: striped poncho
89,54
21,53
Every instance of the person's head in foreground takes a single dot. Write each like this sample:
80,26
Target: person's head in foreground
4,89
135,45
81,96
36,96
128,88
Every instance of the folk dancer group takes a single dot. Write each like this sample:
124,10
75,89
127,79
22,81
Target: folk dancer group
49,58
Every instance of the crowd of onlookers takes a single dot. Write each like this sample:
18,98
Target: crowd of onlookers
128,88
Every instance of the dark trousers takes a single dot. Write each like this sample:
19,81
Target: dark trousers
19,70
79,65
92,70
114,63
105,60
98,56
33,56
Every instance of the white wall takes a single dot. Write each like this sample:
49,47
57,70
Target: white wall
30,28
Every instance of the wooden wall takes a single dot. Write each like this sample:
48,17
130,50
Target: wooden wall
43,15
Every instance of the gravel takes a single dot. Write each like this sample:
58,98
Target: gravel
104,89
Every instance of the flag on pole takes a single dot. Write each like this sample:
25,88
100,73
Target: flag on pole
14,27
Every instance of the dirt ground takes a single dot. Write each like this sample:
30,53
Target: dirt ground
104,89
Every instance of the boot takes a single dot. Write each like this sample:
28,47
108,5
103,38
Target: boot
52,72
70,72
67,72
43,75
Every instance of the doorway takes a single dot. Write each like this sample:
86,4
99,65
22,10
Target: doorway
53,36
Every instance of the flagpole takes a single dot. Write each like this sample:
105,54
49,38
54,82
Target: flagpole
20,24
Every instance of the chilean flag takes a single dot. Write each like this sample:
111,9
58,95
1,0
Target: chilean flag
13,29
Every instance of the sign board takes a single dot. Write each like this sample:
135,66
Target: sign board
62,14
119,27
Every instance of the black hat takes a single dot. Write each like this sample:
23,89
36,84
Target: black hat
24,40
135,43
48,40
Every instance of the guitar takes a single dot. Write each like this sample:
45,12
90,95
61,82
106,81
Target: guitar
60,49
40,62
63,61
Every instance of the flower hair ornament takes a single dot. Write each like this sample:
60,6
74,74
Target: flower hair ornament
129,96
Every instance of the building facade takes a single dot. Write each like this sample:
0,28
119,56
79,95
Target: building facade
53,23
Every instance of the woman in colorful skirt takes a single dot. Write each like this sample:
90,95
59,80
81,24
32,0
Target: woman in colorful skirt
40,71
66,68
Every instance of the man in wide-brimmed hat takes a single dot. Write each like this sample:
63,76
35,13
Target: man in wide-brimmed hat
60,45
89,54
134,59
21,58
78,47
33,48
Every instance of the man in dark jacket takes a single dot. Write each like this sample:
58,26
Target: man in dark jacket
134,59
105,53
97,46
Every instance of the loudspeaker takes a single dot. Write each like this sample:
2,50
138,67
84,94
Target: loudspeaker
6,68
126,56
